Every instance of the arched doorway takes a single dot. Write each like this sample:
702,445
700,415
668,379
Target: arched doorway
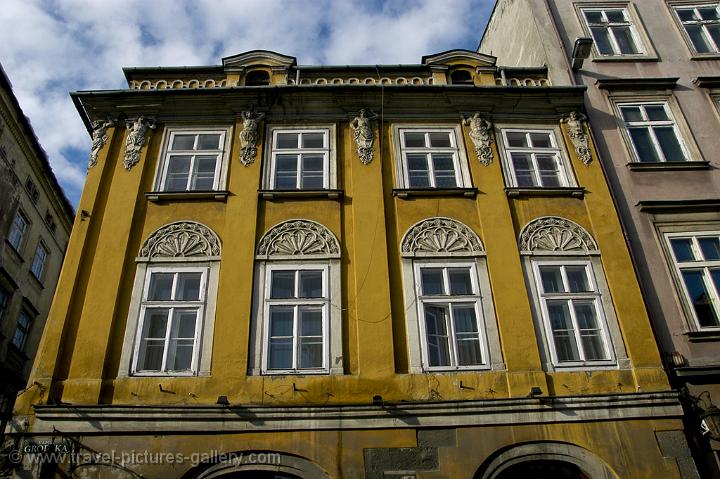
257,465
543,470
260,475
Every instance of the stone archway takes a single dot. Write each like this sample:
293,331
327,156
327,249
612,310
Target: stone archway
257,465
544,460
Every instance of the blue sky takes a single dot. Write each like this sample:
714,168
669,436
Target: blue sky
49,48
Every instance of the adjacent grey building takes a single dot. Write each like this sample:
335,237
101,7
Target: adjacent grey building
35,223
653,100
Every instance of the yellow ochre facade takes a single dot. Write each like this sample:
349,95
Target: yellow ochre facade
498,391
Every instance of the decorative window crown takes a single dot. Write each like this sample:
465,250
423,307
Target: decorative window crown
298,238
551,233
441,236
180,240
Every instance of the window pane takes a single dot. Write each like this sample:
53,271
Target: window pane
468,338
715,275
460,282
311,353
465,321
152,355
432,281
180,355
440,139
631,113
280,353
710,248
188,286
593,346
183,142
625,41
669,143
286,163
700,298
708,13
186,319
444,171
160,287
286,171
281,321
687,15
209,142
311,181
602,40
311,321
563,336
714,31
311,284
312,172
437,338
282,284
178,172
656,113
643,144
286,140
417,162
156,322
541,140
414,139
585,315
698,39
682,247
313,140
205,164
577,279
594,17
419,179
615,16
548,169
516,139
523,169
551,278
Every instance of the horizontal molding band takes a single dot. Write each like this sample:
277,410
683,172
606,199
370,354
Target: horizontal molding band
116,419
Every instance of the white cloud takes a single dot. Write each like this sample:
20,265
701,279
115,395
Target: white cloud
51,47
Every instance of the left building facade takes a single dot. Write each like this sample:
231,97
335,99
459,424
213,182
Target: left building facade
35,223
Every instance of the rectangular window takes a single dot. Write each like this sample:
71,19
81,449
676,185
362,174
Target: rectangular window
534,159
430,158
450,316
22,331
300,159
702,26
39,261
697,259
653,132
572,312
193,160
171,320
613,31
4,300
296,313
17,230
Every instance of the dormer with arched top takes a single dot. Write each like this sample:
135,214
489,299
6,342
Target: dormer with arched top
258,68
461,67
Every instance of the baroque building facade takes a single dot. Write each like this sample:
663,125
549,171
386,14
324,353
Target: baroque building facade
653,100
411,271
35,223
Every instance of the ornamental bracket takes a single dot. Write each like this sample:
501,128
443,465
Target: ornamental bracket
577,135
364,136
99,139
481,135
249,136
135,139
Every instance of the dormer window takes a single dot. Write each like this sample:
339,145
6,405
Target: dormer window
257,78
461,77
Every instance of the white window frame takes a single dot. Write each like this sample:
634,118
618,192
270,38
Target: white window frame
39,263
594,296
474,298
221,166
328,151
324,302
17,231
703,265
650,124
630,22
682,24
171,304
567,179
457,149
24,330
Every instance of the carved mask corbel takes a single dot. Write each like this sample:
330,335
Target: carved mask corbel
480,132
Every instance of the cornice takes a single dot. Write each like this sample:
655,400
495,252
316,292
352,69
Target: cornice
632,84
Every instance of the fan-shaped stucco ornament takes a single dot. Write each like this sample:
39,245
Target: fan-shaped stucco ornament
298,238
440,235
551,233
181,239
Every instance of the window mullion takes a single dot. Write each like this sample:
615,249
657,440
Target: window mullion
295,339
298,170
431,168
535,168
656,143
168,331
710,288
452,338
576,329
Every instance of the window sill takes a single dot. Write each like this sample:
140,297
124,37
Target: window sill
574,192
705,56
700,336
626,58
37,281
668,165
17,254
279,194
160,196
419,192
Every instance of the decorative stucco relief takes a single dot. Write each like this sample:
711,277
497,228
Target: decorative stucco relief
364,136
249,136
181,239
481,135
551,233
99,138
577,135
137,133
298,238
440,235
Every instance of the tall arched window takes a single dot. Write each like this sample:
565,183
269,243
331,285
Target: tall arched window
297,316
448,303
571,298
172,309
